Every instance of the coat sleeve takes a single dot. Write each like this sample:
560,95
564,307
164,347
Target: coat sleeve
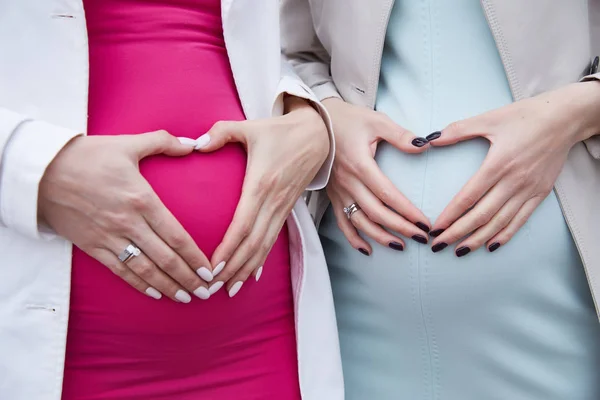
593,143
27,147
292,85
302,48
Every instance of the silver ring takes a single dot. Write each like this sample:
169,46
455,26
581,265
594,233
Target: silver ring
351,209
129,252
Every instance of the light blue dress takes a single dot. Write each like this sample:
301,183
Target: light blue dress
517,324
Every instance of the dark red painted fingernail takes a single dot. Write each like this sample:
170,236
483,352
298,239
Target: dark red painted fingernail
462,251
439,247
365,252
396,246
419,142
493,247
433,136
436,233
420,239
422,227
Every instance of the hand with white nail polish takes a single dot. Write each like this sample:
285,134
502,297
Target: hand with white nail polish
284,155
94,195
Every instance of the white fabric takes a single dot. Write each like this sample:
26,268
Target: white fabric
43,104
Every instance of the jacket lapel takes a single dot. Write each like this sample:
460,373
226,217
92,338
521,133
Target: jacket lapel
517,27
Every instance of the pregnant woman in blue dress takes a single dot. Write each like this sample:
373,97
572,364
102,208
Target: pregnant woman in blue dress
454,324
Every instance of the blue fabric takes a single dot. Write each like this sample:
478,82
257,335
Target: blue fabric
515,324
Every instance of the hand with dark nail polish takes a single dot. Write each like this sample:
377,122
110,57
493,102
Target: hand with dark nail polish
462,251
436,233
419,142
365,252
422,227
396,246
433,136
439,247
493,247
419,238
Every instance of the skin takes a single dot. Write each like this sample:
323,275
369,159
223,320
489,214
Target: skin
284,155
529,143
82,205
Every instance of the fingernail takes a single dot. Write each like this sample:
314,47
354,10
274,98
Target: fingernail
205,274
214,288
202,293
462,251
365,252
493,247
235,288
183,297
187,141
396,246
202,141
439,247
419,142
258,273
436,233
433,136
155,294
218,268
422,227
420,238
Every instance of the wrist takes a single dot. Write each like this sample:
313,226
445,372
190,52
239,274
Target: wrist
582,104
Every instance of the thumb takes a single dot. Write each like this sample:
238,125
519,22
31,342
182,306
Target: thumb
219,135
160,142
456,132
405,140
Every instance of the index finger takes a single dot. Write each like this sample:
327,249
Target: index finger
484,179
241,224
382,187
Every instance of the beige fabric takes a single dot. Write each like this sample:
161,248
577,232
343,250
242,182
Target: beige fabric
336,48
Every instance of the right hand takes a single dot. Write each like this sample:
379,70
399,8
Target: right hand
356,177
94,195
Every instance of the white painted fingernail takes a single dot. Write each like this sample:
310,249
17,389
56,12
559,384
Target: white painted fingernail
205,274
202,293
202,141
183,297
215,287
187,141
155,294
259,273
235,288
219,268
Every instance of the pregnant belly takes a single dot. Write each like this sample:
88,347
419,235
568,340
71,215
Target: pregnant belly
113,327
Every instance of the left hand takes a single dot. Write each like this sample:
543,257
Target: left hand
529,144
284,155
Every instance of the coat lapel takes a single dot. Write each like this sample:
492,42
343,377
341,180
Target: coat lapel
518,27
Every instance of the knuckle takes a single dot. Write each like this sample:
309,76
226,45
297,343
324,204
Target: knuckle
168,262
384,195
177,240
141,200
455,127
144,270
503,219
119,222
483,217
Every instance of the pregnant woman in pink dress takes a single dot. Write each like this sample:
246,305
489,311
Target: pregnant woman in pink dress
163,65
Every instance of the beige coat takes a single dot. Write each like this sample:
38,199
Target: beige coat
336,47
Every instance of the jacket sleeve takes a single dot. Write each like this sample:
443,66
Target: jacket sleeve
27,147
291,84
593,143
302,48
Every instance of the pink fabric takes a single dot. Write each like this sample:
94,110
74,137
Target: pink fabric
162,64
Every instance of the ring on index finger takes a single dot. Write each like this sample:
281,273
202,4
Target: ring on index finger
129,252
351,209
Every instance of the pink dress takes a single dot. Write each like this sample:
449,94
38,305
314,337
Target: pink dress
162,64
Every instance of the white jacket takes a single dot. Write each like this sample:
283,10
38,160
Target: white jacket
43,104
